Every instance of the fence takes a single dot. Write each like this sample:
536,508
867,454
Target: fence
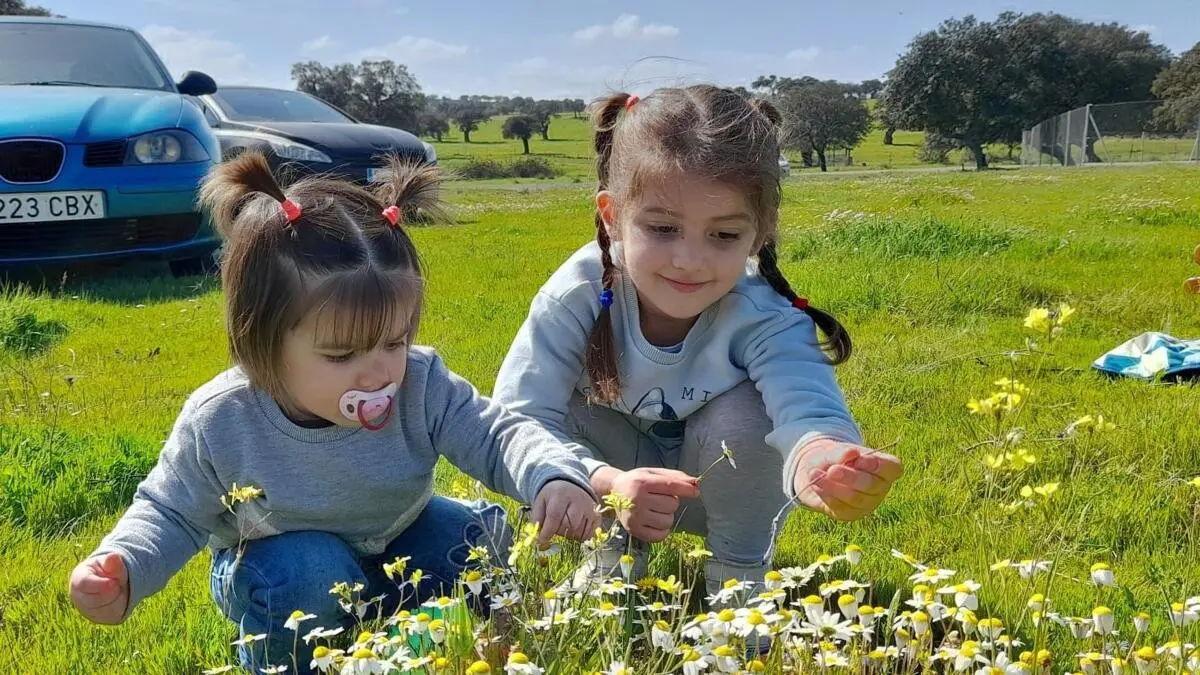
1107,133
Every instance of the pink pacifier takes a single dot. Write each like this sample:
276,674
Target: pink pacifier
372,409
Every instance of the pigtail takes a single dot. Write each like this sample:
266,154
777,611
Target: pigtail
413,188
233,184
600,356
837,339
767,109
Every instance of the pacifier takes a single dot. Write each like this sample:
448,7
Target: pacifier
372,409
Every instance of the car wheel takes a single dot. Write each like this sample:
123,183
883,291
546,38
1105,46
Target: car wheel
191,267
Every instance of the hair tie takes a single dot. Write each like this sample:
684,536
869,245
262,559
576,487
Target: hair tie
631,101
606,298
392,214
800,303
291,209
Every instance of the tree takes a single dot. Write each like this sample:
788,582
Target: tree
433,123
374,91
871,88
543,114
522,127
1179,87
958,82
825,116
982,82
21,8
468,115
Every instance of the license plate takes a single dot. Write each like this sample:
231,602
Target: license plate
41,207
374,173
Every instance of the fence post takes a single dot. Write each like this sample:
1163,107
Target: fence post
1083,146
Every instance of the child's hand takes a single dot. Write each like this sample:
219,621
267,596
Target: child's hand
843,480
655,494
100,588
565,509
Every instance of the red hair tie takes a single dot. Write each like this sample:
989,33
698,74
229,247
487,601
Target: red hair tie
631,101
392,213
291,209
800,303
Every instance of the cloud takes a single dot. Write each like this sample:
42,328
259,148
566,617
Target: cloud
319,44
184,50
409,50
1147,28
626,27
803,54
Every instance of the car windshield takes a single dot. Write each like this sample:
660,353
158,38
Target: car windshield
272,105
52,54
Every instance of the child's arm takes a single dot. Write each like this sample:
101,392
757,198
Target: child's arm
510,453
168,522
542,367
824,465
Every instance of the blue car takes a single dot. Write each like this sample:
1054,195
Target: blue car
101,154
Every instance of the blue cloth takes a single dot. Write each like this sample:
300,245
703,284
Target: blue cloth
295,570
1152,355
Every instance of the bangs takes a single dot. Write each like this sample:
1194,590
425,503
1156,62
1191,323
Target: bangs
360,310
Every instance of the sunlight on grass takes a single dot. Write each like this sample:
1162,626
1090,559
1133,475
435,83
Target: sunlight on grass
932,273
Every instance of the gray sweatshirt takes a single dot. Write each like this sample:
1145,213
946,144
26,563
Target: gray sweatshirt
363,486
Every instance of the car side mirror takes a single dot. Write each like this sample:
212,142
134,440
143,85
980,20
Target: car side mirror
196,84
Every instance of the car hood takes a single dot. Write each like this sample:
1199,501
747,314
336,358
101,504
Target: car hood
84,114
346,140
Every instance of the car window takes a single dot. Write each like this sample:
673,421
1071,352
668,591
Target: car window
273,105
62,54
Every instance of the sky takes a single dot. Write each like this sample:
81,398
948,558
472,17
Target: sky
571,48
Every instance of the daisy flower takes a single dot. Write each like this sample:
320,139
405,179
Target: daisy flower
661,637
320,633
506,600
930,575
607,610
519,664
964,594
249,638
297,617
827,625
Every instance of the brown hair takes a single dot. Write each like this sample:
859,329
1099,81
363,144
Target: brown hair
342,255
702,130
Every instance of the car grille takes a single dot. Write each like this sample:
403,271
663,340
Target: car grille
30,161
84,237
109,153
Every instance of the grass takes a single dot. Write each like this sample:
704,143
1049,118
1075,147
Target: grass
932,274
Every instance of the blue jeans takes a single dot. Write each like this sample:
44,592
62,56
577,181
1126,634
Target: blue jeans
295,570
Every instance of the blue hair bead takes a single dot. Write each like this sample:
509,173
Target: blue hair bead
606,297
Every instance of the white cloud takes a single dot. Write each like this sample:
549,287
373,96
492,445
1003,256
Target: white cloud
1147,28
185,50
409,50
626,27
319,44
804,54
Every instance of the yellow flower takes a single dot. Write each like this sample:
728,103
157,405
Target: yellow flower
1011,386
699,552
1195,482
1046,490
1020,459
994,462
986,406
669,585
479,668
618,502
239,495
1065,312
396,567
1038,320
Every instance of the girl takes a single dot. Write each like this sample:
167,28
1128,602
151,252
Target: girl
335,416
657,343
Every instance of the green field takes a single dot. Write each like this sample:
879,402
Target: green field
932,274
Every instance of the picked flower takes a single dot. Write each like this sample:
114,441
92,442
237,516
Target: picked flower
240,495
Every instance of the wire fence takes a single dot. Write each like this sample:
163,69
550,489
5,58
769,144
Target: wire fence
1109,133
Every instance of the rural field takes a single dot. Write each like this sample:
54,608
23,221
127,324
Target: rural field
934,275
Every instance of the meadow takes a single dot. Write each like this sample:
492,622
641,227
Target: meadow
934,275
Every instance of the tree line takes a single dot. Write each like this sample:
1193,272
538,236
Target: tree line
966,84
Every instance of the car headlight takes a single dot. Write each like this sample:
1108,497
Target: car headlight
430,152
165,147
282,147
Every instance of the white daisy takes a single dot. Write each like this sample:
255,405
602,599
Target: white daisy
324,658
297,617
